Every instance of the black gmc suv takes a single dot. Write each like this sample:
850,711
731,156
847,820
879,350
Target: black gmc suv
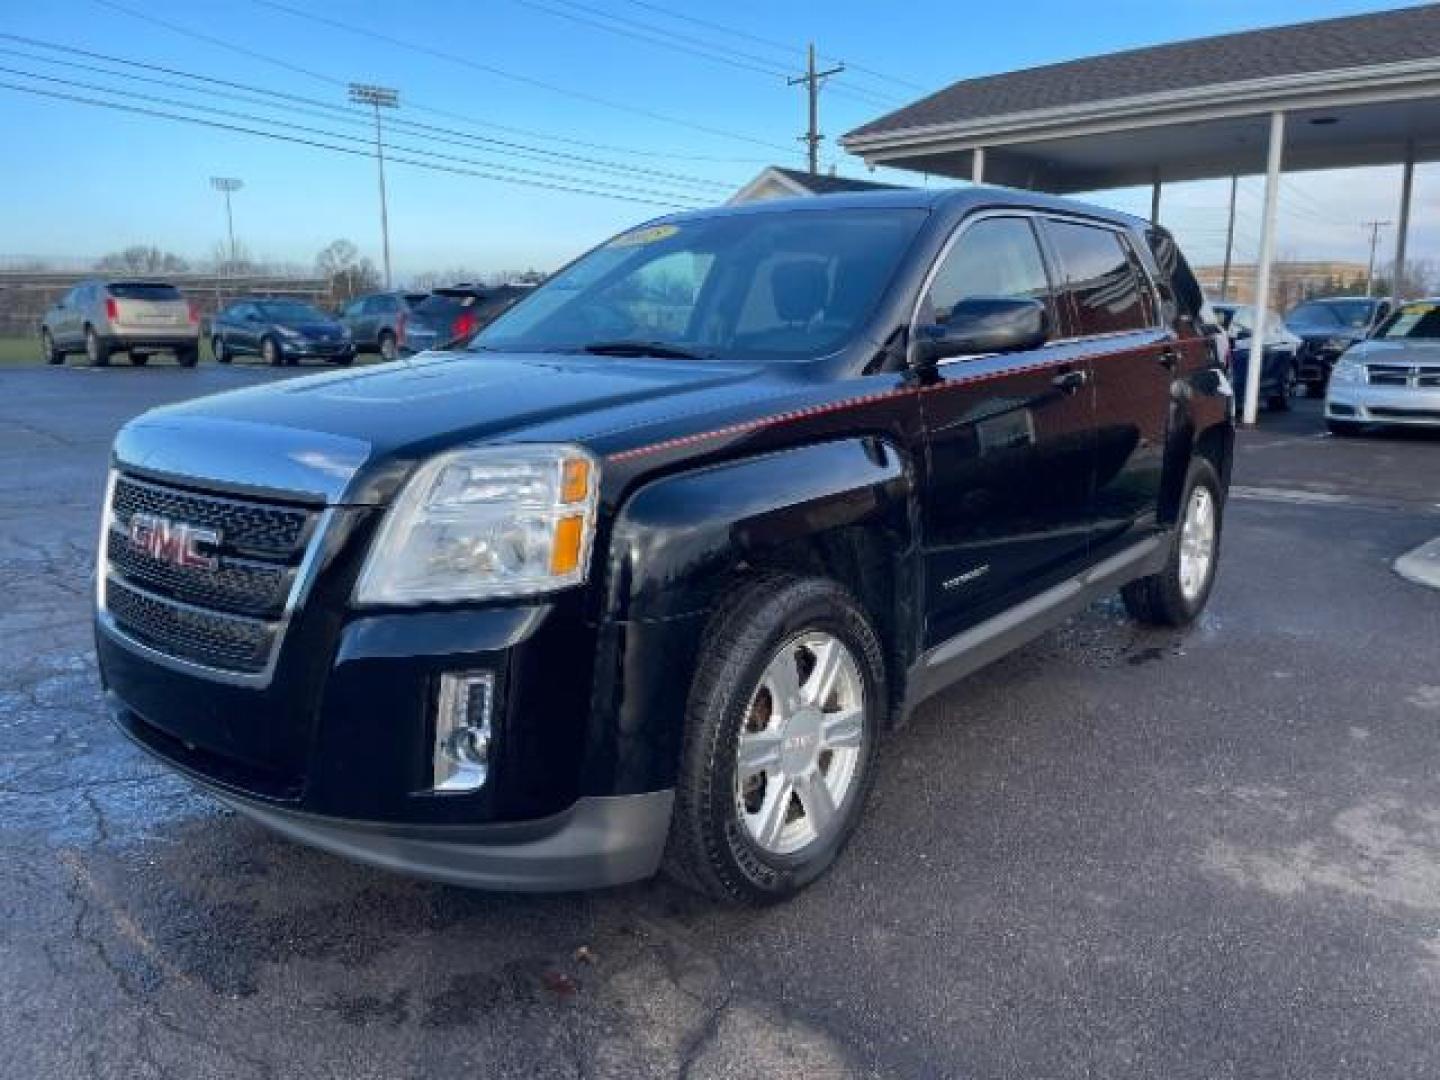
647,573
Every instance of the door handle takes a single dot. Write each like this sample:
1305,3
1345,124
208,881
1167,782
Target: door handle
1070,381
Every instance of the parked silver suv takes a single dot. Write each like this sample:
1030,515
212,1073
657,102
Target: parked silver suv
99,318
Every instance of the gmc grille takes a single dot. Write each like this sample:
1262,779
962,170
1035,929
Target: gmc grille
229,617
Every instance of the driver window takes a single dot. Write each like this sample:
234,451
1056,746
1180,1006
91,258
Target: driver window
994,257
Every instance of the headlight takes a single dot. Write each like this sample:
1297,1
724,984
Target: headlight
1337,344
1347,371
486,522
288,332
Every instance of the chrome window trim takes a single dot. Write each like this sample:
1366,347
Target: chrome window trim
1033,215
299,590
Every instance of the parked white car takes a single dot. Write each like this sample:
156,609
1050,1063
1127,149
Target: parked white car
1392,377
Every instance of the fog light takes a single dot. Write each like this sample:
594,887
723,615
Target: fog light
462,730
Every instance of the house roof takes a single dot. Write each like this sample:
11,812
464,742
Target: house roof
1386,37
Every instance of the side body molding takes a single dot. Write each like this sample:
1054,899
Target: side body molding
677,546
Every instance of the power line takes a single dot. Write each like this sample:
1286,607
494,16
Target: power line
328,134
415,106
330,111
771,42
316,144
525,80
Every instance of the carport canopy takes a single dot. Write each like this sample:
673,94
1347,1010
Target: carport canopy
1360,90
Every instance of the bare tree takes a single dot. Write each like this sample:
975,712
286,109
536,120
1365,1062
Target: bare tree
141,259
346,271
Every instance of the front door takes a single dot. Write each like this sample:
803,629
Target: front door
1115,312
1007,497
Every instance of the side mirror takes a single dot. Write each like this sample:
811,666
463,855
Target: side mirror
983,325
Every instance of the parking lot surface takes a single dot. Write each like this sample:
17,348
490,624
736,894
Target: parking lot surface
1117,853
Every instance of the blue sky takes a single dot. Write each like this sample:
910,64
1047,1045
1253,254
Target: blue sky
82,181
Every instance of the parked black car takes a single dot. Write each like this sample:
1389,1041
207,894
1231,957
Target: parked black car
279,332
650,572
1326,328
457,313
378,322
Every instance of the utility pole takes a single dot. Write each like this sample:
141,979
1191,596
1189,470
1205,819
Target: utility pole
812,80
1229,243
379,97
1374,227
228,184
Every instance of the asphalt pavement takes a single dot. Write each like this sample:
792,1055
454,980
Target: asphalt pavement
1116,853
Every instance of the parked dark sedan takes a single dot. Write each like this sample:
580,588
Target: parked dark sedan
457,313
279,332
1326,328
1279,372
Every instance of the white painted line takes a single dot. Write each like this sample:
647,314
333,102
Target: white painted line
1422,565
1301,497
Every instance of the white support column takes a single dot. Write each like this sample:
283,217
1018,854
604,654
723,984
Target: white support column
977,165
1262,271
1407,183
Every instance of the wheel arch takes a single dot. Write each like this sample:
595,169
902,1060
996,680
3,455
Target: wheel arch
842,509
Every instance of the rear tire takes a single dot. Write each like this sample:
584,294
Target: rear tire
389,348
1178,593
1343,428
744,832
139,359
48,351
1315,389
188,357
344,359
97,351
1280,400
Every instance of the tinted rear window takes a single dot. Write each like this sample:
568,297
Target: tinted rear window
440,305
1101,279
123,290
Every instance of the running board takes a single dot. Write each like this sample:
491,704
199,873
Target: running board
985,642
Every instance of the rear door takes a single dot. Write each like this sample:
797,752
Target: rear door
1007,498
1115,314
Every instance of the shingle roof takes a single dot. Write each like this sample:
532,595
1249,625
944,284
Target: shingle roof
830,185
1352,41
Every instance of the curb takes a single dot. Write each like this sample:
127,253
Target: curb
1422,565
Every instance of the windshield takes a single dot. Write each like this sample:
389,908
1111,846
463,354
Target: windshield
756,286
1354,314
1412,322
290,311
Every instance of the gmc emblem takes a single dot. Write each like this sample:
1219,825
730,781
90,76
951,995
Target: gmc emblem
174,542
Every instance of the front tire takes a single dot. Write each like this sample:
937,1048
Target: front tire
219,351
270,352
389,348
48,350
782,726
1280,400
1178,593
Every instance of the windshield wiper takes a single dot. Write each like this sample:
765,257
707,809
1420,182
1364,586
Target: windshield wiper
641,348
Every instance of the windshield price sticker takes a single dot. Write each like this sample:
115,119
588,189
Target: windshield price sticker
640,237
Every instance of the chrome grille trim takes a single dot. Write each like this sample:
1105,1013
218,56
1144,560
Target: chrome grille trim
300,585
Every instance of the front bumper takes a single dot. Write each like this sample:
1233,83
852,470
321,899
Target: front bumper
320,350
598,841
1364,404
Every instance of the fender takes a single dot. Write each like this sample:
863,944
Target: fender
1201,421
676,545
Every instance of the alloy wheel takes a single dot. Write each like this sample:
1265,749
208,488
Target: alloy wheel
1197,543
798,754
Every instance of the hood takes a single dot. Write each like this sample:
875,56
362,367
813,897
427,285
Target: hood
1324,333
311,327
351,436
1418,350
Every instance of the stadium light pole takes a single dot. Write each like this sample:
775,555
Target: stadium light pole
378,97
227,185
